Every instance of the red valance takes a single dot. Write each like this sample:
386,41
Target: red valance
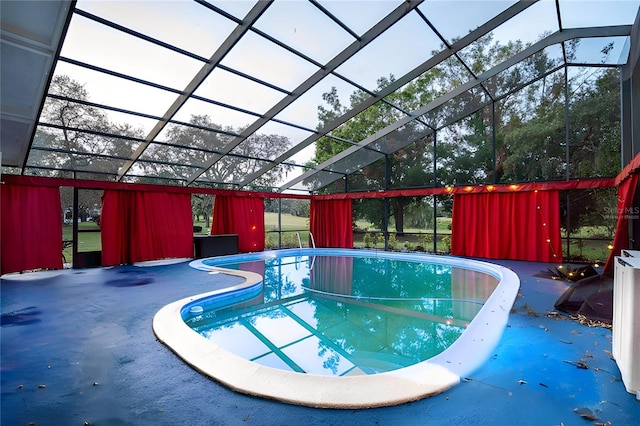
519,226
31,227
243,216
447,190
477,189
331,223
142,187
139,226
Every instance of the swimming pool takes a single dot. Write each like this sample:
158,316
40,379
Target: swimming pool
361,344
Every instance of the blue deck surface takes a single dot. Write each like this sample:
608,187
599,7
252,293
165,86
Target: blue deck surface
78,347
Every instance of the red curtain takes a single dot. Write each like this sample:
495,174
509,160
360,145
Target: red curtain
138,226
31,228
243,216
626,192
331,223
519,226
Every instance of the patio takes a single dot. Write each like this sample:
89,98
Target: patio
77,346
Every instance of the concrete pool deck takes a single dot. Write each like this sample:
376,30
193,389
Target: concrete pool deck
77,346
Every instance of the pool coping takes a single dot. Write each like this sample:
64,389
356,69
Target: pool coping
418,381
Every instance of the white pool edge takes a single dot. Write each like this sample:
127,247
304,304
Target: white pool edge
418,381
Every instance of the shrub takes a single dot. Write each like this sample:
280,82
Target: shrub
426,239
446,241
368,240
392,242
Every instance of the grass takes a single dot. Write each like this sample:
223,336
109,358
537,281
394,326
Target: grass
443,225
587,250
591,232
87,241
290,225
289,222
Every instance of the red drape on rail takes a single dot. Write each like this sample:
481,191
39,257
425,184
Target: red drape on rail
331,223
243,216
564,185
519,225
626,192
138,226
31,228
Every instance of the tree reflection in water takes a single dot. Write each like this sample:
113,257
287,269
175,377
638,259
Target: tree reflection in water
375,313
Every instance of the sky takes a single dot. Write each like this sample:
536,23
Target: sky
192,27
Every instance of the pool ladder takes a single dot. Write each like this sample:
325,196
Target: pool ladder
313,241
312,260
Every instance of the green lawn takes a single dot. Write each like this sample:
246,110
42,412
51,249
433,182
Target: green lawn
592,232
443,225
289,222
588,250
296,223
87,241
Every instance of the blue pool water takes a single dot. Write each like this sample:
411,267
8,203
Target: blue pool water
341,315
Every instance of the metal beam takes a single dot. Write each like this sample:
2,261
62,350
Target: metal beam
338,60
400,82
555,38
198,79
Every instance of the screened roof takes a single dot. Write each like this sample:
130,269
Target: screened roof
226,93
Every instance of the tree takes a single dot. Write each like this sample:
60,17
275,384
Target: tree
76,136
81,138
202,139
594,124
529,118
465,136
299,208
408,164
202,205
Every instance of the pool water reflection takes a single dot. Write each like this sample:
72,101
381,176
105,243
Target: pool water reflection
345,315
